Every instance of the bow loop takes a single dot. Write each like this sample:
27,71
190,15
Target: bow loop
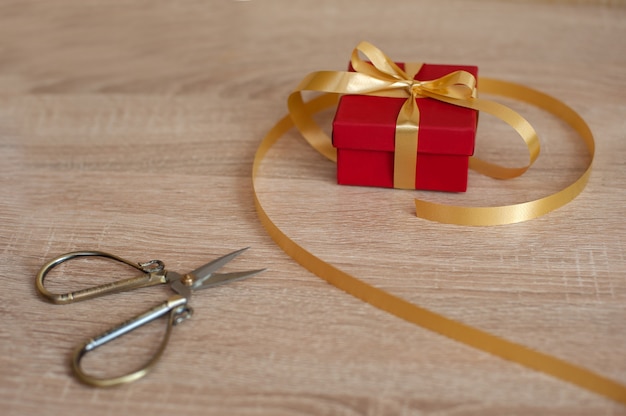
380,65
456,85
459,85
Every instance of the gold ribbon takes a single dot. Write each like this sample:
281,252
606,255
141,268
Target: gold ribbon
425,318
384,78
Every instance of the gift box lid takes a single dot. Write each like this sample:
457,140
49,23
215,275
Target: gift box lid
369,122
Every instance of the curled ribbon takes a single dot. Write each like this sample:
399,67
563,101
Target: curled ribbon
425,318
384,78
399,307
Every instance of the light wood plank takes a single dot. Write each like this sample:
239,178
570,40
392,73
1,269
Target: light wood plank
131,127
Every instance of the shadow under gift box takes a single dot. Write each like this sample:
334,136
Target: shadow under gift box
364,135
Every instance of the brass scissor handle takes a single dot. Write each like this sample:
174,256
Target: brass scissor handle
178,311
153,274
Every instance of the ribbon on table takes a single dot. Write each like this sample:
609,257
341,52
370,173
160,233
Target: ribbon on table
425,318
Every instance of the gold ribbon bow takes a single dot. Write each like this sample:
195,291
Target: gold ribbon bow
384,78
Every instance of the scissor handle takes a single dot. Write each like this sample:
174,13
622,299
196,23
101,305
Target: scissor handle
178,311
153,270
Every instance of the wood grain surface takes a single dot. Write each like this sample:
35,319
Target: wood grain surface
130,127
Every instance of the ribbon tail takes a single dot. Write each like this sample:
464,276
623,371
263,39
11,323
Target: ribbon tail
515,213
310,130
509,116
452,329
333,83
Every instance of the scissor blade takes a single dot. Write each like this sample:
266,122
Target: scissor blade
223,278
202,273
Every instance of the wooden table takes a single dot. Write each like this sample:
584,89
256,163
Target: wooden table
131,127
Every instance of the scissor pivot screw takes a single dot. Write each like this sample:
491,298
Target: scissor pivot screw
187,280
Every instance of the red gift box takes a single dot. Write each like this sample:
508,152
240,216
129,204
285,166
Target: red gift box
364,136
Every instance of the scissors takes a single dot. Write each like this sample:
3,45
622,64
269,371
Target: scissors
153,273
